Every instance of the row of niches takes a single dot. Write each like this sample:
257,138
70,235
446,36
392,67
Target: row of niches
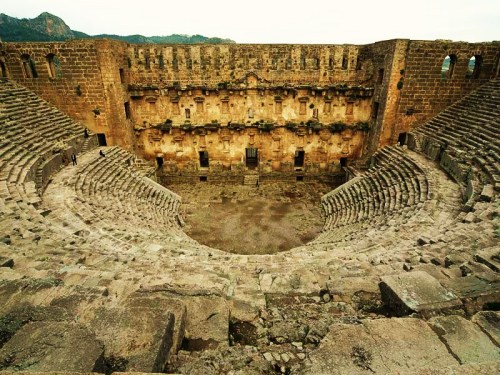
294,58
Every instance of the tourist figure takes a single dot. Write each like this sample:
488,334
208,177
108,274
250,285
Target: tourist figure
73,159
85,133
101,153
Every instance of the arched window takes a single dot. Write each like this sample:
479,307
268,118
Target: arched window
28,65
474,67
448,66
53,66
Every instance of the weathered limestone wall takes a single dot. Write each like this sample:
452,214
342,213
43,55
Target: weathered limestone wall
82,80
213,64
142,96
276,148
425,92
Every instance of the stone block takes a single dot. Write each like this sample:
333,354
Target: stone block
489,321
52,346
487,193
139,337
465,339
475,293
166,303
417,292
489,257
207,323
379,346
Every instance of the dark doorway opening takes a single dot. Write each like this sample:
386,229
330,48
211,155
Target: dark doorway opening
299,158
3,70
300,178
203,178
252,158
101,139
402,139
203,159
159,162
343,162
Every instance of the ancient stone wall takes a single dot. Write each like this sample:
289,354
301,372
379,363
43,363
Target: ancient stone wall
81,78
426,90
210,65
143,96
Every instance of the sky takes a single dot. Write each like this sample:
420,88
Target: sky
266,21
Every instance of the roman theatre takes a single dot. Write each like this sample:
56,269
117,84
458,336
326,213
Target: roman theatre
250,209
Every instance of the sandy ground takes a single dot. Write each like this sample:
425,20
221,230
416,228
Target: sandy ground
249,220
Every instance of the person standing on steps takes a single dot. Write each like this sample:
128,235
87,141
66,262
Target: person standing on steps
73,158
85,133
101,153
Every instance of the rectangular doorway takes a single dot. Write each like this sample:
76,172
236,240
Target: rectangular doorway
203,159
299,158
101,139
252,158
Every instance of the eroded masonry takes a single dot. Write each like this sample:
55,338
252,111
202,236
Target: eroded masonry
286,111
97,273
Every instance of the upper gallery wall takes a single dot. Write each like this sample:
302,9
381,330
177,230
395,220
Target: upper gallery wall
123,90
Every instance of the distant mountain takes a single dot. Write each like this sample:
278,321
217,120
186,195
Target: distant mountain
47,27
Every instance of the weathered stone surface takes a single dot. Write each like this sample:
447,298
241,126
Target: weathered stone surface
166,303
490,257
489,321
52,346
465,339
475,293
142,337
379,346
467,369
417,292
207,322
487,193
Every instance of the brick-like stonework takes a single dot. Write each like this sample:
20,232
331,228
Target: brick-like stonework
147,97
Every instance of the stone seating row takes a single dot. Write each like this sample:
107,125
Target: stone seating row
30,129
396,185
469,131
110,189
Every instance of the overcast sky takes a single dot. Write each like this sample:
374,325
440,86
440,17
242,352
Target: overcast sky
266,21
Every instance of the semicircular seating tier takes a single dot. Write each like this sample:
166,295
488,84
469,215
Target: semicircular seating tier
94,254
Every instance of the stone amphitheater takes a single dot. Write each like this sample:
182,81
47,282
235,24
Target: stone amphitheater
98,276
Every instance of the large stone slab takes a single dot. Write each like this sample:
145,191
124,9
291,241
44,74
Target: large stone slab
475,293
16,318
52,346
207,323
378,347
489,321
465,339
157,300
418,292
137,338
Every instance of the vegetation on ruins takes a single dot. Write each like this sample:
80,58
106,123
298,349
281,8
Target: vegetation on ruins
48,28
